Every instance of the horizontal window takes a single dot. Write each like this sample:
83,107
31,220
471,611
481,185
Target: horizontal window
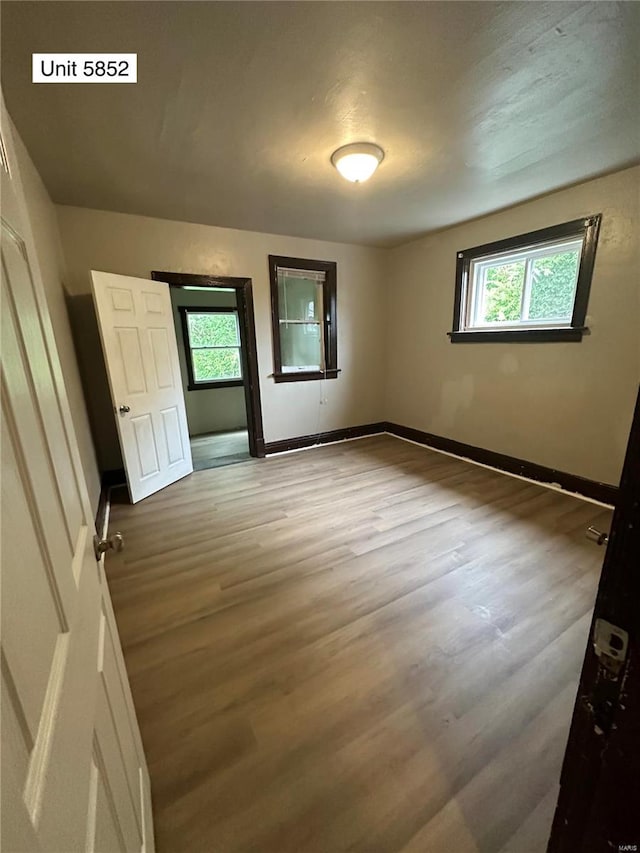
212,347
532,287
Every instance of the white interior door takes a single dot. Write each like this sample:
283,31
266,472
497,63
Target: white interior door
141,354
74,776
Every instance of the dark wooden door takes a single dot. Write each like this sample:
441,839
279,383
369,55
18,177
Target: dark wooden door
599,803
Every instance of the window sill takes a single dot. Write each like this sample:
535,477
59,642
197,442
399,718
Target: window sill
305,376
507,336
221,383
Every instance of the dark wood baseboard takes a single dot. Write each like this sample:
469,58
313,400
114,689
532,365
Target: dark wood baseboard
531,470
101,512
604,492
108,479
301,441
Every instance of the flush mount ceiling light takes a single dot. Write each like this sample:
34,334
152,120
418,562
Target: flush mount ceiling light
358,161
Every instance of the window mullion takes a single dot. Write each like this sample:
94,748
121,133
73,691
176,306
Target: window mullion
526,290
481,297
470,296
217,346
323,326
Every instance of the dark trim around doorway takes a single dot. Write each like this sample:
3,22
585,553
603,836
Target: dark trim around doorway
244,297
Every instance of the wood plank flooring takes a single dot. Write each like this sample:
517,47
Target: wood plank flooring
365,647
211,450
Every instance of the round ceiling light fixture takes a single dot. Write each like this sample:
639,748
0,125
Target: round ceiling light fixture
358,161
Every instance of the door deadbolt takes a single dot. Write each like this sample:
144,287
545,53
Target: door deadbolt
610,643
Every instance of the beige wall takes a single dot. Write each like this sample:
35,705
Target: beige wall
135,245
208,409
565,405
44,224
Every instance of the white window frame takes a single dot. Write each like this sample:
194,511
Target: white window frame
317,323
477,292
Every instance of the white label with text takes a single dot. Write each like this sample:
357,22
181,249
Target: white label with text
84,68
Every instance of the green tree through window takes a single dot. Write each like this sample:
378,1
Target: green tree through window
553,286
504,292
552,289
538,288
214,344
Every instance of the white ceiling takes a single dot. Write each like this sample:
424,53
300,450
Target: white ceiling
478,105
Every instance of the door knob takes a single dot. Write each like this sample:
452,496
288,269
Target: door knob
115,542
597,536
124,409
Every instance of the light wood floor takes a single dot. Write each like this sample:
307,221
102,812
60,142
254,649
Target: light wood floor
214,449
368,647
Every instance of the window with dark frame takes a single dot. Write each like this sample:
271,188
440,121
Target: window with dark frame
212,347
303,315
534,287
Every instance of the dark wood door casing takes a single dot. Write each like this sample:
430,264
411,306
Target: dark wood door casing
248,350
599,803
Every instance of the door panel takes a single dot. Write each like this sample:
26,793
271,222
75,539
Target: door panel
112,701
20,302
141,355
56,691
23,427
146,450
173,435
131,361
161,358
104,833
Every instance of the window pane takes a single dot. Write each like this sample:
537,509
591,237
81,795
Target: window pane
299,298
209,330
502,293
553,285
533,284
212,364
301,346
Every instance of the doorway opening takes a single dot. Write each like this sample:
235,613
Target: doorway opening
215,330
